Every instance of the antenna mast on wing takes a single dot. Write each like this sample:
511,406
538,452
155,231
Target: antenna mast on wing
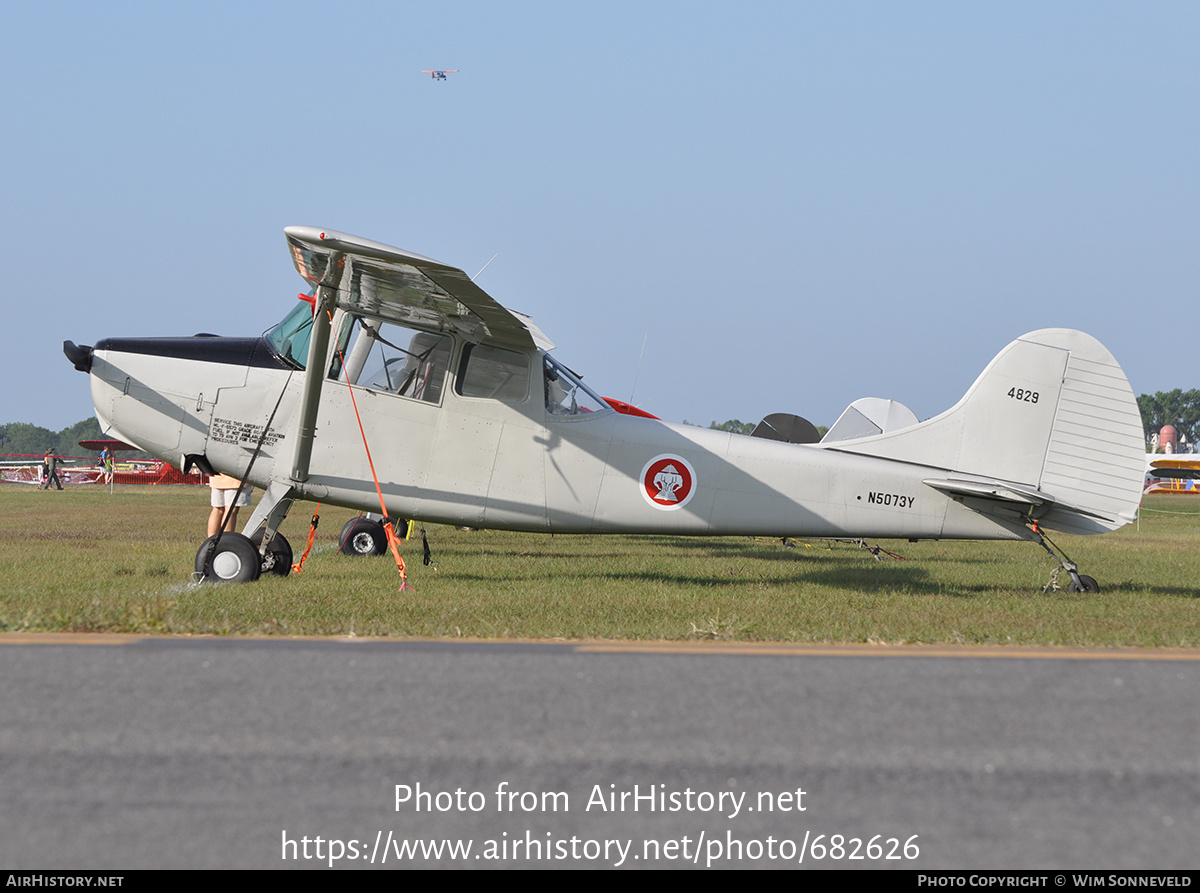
638,371
485,266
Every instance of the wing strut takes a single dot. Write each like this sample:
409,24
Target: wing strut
279,495
314,376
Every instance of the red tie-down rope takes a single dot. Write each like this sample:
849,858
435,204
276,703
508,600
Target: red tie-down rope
387,522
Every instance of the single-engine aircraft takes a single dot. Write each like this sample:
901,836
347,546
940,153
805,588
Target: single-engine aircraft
439,75
472,422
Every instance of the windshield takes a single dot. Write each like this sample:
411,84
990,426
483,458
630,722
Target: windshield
566,394
290,338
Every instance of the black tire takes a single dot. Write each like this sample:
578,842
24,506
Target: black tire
362,536
234,559
345,532
1089,584
278,559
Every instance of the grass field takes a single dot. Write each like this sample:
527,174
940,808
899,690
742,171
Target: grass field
85,560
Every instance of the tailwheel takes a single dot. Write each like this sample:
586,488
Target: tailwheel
1086,584
228,558
278,559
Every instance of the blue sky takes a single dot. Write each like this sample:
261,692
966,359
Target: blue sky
793,204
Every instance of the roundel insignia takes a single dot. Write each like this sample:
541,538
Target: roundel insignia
668,482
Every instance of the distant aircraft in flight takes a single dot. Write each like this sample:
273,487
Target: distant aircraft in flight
439,75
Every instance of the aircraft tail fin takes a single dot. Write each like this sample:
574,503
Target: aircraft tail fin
1052,413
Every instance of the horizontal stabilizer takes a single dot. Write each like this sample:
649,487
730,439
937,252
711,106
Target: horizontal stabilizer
998,490
1001,491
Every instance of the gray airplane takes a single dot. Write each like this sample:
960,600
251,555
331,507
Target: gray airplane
471,421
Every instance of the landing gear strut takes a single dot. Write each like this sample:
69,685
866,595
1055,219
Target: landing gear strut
1079,582
278,557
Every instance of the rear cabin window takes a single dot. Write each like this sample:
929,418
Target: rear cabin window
487,371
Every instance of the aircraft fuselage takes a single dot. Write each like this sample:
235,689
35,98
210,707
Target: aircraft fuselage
510,463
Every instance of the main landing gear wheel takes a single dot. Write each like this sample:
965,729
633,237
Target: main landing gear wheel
1086,584
233,559
362,536
278,559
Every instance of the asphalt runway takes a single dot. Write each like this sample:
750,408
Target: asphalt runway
120,753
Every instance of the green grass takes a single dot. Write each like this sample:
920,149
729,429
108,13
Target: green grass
83,560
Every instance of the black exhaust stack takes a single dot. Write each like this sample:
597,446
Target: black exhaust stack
80,357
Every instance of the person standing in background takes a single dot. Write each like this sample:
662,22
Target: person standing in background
50,474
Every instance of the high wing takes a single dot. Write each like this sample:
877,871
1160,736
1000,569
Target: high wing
404,287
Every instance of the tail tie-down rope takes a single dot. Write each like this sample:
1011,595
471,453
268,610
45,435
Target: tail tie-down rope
392,539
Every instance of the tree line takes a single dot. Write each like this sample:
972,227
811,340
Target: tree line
1179,408
22,438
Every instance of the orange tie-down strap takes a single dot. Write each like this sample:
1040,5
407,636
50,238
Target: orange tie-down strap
387,526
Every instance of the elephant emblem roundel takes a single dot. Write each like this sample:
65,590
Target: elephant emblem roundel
668,482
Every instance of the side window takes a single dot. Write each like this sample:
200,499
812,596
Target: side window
488,371
395,359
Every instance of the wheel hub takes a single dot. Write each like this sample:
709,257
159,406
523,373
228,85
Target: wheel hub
226,565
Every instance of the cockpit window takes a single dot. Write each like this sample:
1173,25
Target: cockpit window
387,357
566,395
290,338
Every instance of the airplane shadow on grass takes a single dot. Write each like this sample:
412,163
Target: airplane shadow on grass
1133,588
835,564
848,574
764,549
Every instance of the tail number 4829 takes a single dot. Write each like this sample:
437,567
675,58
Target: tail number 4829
1024,395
